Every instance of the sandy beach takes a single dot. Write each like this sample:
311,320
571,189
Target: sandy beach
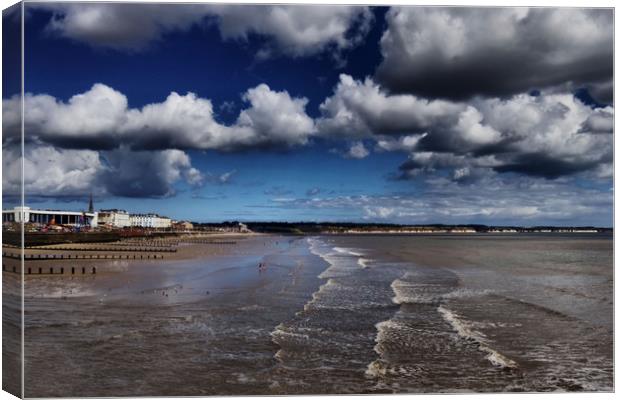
161,305
109,257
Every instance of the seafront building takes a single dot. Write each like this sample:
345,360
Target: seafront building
50,217
150,221
115,218
112,218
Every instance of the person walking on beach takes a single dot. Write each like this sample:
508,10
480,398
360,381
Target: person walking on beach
262,267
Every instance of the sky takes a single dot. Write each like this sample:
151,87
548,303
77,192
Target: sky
412,115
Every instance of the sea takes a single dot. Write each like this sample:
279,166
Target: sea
433,313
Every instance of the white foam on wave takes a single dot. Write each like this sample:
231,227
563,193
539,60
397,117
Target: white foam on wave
345,250
386,331
281,332
465,330
332,255
420,293
338,265
316,247
316,295
382,328
363,262
376,369
464,293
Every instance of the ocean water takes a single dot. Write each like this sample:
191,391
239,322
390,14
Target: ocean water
494,313
334,314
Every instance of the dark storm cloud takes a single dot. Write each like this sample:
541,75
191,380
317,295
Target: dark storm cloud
146,173
66,173
602,92
93,143
410,165
459,53
538,164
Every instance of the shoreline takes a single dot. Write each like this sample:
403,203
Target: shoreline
59,259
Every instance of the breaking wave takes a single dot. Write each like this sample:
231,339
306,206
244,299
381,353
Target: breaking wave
465,330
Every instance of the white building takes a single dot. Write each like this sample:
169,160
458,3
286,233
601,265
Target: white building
150,221
115,218
50,217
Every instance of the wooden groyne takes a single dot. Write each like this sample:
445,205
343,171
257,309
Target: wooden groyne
146,244
52,270
206,241
48,257
125,249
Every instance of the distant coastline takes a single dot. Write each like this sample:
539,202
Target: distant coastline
12,235
304,228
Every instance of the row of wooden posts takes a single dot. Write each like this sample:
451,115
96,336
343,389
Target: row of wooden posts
176,243
133,249
35,257
146,243
53,271
207,242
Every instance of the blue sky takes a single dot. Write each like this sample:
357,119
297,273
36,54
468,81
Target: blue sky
289,113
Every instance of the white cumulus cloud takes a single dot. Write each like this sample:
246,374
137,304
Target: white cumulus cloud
292,30
550,135
100,119
357,151
295,30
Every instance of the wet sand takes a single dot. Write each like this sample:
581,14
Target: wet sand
188,326
331,314
11,334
